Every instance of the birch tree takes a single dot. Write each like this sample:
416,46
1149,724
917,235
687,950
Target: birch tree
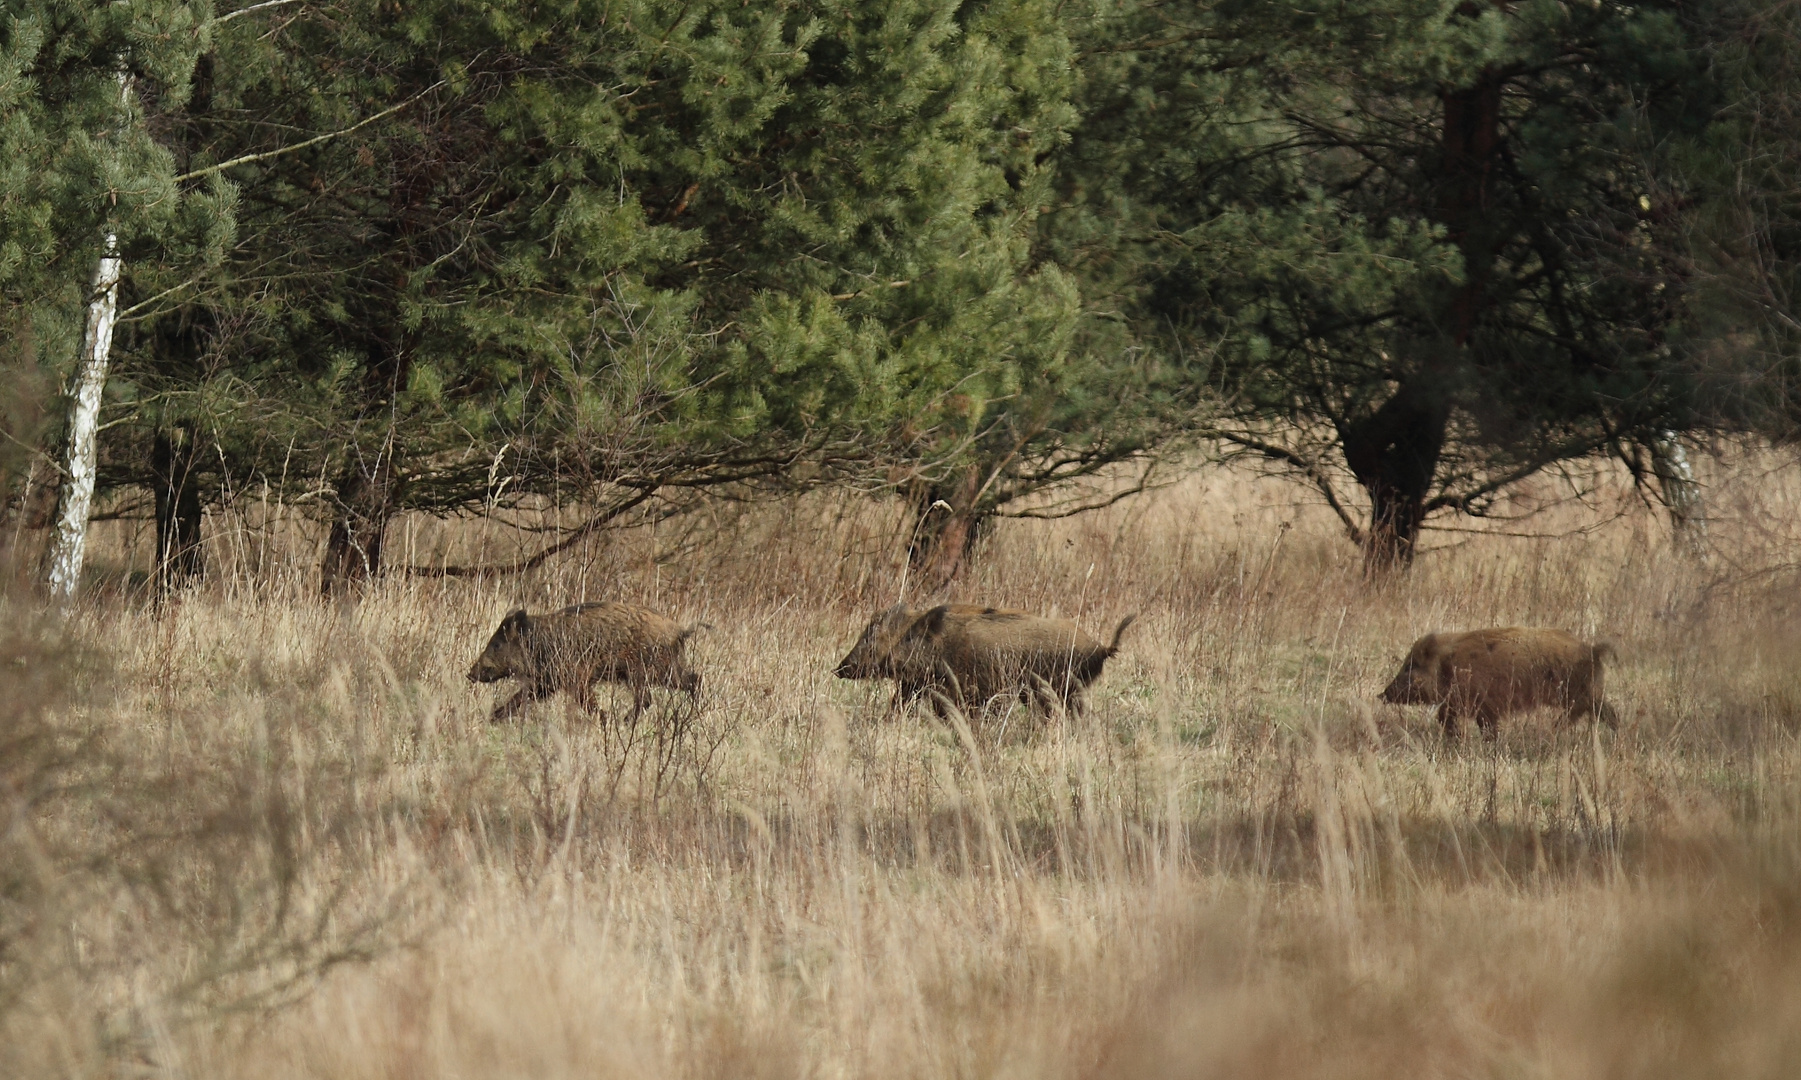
97,187
75,495
68,541
1682,493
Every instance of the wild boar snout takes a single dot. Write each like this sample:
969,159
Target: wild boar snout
860,663
873,653
1405,689
854,665
1396,690
504,653
486,670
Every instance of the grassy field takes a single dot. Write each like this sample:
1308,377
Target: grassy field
254,835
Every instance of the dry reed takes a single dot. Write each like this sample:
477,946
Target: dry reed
286,842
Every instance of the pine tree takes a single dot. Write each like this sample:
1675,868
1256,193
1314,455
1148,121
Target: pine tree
1417,239
1743,175
612,252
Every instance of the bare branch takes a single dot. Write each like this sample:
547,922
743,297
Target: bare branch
586,528
1461,501
1306,467
1066,511
253,7
248,159
142,304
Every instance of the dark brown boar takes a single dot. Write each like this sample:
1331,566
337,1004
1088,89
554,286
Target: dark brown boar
1487,674
970,654
576,647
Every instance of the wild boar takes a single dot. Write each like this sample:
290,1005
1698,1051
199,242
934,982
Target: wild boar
970,654
1487,674
878,653
576,647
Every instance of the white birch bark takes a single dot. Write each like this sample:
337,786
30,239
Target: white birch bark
75,497
1681,493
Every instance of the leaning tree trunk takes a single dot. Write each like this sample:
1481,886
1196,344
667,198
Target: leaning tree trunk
1681,493
947,525
179,558
75,495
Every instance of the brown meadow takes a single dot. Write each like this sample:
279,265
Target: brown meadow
256,835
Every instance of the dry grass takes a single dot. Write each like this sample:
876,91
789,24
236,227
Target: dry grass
282,841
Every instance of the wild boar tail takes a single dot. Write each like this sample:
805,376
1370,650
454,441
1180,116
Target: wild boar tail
692,630
1119,630
1604,650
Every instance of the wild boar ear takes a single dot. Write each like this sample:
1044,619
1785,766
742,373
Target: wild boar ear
1446,674
515,623
932,621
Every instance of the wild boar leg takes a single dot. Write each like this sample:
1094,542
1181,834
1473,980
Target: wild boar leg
527,694
1448,716
905,694
1043,694
954,692
1594,711
584,698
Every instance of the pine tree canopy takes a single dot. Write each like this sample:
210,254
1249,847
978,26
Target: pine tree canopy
1420,243
607,254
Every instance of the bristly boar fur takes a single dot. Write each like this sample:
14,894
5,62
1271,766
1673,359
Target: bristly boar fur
878,653
1487,674
576,647
969,654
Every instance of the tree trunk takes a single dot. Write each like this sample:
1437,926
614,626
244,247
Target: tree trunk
947,525
179,558
1470,154
1681,493
1394,453
369,489
1394,456
75,495
367,495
